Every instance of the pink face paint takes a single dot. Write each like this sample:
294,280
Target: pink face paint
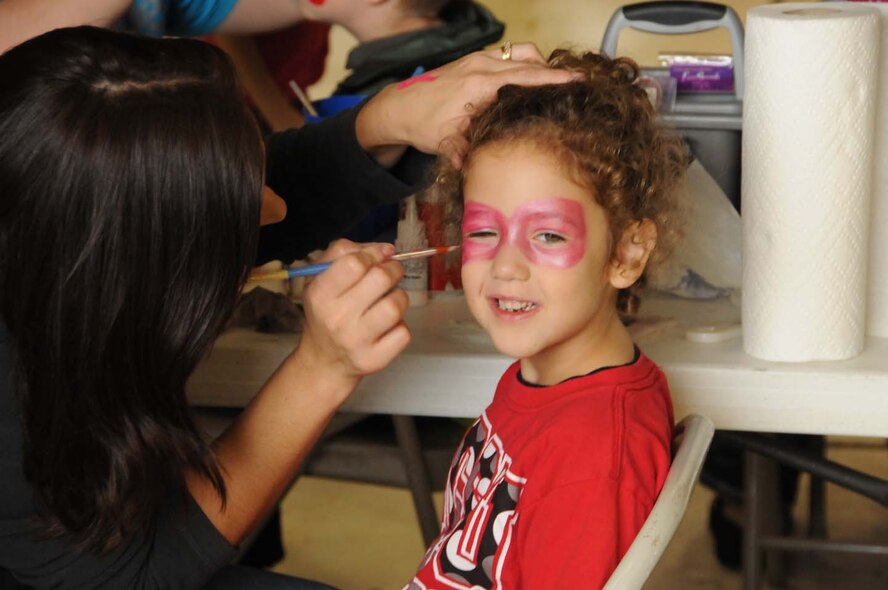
485,230
317,2
427,77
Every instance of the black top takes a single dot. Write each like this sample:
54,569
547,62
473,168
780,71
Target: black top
327,181
182,552
465,27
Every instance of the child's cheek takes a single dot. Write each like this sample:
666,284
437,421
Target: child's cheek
473,251
565,257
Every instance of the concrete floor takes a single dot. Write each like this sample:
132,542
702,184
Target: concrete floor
365,537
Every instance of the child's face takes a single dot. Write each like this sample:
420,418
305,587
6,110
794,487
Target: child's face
536,257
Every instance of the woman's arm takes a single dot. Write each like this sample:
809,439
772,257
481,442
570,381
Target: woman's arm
353,328
328,182
431,113
333,172
22,19
256,16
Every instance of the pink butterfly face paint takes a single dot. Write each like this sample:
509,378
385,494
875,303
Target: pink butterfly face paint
427,77
548,232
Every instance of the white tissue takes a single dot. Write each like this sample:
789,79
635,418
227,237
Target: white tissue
711,246
877,295
706,261
808,128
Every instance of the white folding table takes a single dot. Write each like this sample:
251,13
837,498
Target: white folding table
451,369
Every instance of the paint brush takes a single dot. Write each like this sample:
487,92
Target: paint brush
309,108
313,269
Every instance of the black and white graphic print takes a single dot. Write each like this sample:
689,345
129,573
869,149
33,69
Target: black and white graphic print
479,515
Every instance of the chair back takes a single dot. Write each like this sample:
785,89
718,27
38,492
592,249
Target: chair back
692,437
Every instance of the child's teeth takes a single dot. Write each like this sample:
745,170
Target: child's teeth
514,305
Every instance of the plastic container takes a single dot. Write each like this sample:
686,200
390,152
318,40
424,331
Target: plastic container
412,236
711,123
441,216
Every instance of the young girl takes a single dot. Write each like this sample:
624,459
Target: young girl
567,191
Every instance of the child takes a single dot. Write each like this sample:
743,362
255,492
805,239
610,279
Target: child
567,192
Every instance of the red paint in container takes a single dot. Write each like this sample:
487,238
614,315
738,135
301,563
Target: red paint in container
445,271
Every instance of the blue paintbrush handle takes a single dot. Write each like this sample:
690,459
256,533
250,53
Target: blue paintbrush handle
308,270
313,269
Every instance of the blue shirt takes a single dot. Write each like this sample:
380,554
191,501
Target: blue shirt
187,18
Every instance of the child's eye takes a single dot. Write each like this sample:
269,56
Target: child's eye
482,234
548,237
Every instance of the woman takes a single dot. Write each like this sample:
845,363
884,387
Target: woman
130,196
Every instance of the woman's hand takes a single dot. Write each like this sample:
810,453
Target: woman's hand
353,326
431,112
354,314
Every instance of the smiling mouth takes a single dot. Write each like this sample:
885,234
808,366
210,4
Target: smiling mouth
514,305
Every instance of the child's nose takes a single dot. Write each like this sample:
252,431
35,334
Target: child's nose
509,264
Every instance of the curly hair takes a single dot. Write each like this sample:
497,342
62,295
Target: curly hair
604,130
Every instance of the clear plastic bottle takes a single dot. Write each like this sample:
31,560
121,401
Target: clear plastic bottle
412,236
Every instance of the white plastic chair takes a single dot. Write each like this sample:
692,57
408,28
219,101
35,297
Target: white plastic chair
693,435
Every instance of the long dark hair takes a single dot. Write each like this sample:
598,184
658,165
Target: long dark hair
130,182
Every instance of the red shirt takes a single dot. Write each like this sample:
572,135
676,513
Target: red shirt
550,486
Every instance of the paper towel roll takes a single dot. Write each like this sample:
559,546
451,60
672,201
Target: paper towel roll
809,114
877,295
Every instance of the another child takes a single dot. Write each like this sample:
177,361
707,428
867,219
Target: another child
568,190
395,37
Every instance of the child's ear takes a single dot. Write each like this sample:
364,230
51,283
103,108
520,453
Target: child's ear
631,253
